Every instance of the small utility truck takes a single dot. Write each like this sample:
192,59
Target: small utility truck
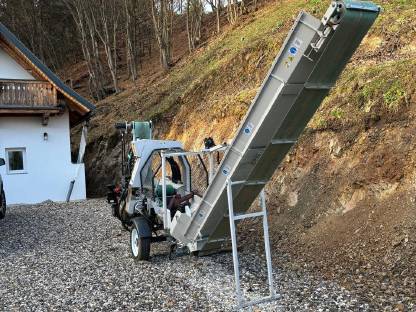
156,206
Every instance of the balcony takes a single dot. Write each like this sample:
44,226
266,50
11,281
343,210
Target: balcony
28,97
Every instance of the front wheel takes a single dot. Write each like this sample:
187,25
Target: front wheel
140,239
2,205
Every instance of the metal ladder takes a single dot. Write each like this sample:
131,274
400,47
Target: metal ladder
241,302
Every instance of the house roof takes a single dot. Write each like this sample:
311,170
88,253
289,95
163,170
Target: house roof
82,106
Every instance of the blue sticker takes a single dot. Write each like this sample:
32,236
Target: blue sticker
226,170
248,129
293,50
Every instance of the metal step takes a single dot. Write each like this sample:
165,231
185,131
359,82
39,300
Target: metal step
242,302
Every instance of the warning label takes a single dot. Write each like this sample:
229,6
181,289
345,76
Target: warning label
293,51
297,43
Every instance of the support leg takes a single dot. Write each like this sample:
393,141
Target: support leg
267,244
234,242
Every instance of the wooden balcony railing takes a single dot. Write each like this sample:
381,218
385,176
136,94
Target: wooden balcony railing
24,94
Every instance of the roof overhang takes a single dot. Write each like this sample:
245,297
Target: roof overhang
80,109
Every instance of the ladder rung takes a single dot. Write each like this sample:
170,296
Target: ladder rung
281,141
277,78
245,182
258,301
255,148
240,153
249,215
318,86
309,25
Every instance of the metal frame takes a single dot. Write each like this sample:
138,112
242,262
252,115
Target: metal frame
166,212
164,154
210,152
241,302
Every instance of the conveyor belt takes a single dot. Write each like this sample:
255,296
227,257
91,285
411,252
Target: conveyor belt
307,67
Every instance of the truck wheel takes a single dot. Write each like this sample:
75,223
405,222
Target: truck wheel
140,238
2,205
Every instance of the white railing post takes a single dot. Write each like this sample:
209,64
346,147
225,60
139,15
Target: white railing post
267,243
234,242
165,208
211,166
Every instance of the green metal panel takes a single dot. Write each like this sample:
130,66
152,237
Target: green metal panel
142,130
170,190
362,5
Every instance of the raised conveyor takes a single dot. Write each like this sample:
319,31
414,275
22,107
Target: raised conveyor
307,67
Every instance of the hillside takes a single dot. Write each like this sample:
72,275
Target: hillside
343,202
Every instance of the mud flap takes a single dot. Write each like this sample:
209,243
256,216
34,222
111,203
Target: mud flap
143,226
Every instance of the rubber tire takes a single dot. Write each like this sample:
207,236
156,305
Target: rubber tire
2,205
143,243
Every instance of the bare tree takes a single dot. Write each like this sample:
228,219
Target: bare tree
98,26
232,11
194,12
84,22
106,27
131,37
162,16
235,8
145,30
216,6
217,13
44,26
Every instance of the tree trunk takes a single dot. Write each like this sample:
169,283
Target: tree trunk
106,29
194,11
232,11
80,14
162,21
217,11
129,6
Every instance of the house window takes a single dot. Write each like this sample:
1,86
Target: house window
16,160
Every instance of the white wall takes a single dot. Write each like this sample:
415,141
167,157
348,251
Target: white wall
49,167
10,69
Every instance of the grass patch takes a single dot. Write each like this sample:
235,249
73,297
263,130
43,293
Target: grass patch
265,30
222,78
337,113
361,91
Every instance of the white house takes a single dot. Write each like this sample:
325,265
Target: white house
37,111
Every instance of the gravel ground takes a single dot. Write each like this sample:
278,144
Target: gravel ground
76,257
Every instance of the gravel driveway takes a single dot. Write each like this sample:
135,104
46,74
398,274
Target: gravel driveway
76,257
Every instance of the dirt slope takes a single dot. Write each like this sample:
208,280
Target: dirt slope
343,202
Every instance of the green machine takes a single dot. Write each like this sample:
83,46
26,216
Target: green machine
141,130
307,67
